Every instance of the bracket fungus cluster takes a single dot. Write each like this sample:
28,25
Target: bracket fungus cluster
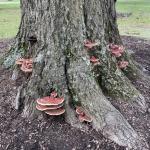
95,60
116,50
83,115
88,44
26,64
123,64
51,105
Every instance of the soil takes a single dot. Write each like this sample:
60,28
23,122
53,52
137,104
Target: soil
47,133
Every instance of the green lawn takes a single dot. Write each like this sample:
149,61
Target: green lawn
9,18
138,24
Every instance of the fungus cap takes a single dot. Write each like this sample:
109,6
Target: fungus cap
121,49
26,69
26,64
93,59
116,50
43,108
116,53
85,118
80,110
90,44
115,47
50,101
20,61
29,61
55,112
123,64
29,66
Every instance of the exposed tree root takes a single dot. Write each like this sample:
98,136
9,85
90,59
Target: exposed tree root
112,80
75,82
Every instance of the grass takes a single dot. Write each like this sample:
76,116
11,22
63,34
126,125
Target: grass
138,24
9,18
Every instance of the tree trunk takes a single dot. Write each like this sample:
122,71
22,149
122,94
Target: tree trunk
61,62
112,36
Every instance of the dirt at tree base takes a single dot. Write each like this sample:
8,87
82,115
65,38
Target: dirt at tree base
50,133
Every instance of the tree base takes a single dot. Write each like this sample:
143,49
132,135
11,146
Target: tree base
79,87
61,63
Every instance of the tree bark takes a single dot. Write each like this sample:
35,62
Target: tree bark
61,62
112,36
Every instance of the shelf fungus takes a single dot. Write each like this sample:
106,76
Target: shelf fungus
43,108
95,60
55,112
116,50
26,64
50,101
88,44
83,115
123,64
51,105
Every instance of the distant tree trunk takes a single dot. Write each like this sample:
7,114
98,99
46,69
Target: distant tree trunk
61,62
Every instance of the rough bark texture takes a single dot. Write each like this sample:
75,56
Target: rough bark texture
111,28
112,36
62,63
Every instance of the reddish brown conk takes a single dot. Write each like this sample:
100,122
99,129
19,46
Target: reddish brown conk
26,67
50,101
95,60
116,53
43,108
116,50
88,44
51,105
83,116
123,64
55,112
79,110
26,64
113,46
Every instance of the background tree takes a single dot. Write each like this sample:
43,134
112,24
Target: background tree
53,32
